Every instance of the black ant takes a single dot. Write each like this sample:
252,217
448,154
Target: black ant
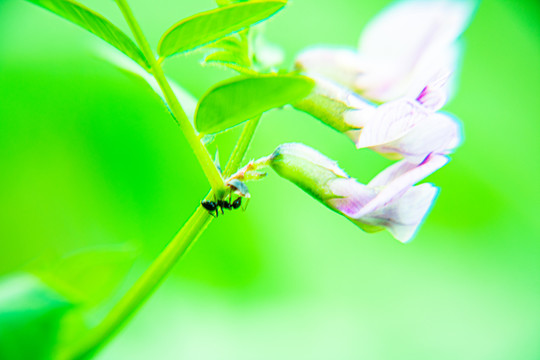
212,206
236,187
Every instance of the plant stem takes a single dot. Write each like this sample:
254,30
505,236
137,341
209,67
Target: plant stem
143,287
196,224
152,277
241,147
204,158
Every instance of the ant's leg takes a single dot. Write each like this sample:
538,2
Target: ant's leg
246,203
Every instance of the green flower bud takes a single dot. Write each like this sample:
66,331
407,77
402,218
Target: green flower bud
307,168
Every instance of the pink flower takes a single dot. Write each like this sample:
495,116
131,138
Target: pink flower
404,128
399,50
390,201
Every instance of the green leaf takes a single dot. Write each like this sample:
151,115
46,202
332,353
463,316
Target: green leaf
30,315
228,2
209,26
90,275
96,24
239,99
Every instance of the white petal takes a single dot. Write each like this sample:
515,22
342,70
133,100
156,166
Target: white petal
403,216
268,54
390,173
391,121
438,134
406,38
342,65
359,117
436,70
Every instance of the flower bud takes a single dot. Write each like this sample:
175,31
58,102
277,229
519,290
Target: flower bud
307,168
337,107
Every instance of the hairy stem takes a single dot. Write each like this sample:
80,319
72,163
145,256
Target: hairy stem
241,147
192,229
154,275
210,170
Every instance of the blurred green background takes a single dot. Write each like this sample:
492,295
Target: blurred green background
90,157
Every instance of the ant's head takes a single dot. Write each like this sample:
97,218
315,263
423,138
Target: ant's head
236,203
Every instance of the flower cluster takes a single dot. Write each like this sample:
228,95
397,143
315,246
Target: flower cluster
385,96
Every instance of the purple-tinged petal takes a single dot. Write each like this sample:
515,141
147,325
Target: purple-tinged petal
391,121
391,173
398,178
351,196
403,216
435,94
439,134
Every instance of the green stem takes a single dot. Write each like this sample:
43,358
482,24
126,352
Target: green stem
143,287
154,275
204,158
241,147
